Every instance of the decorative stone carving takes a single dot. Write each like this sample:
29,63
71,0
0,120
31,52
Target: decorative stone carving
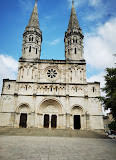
7,98
50,109
52,73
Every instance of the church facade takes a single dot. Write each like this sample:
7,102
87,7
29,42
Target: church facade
51,93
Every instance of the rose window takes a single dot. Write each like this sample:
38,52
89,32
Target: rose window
51,73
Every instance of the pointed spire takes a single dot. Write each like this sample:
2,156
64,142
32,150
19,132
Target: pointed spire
73,22
34,21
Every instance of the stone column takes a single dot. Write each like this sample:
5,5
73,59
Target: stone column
68,120
40,120
71,121
17,120
34,105
50,116
61,121
16,115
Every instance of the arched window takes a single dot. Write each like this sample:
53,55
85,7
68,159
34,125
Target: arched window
74,40
29,48
51,89
26,87
68,51
31,38
56,89
76,89
24,50
75,51
93,89
9,87
45,88
36,50
69,41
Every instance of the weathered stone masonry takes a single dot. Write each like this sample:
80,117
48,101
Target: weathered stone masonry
51,93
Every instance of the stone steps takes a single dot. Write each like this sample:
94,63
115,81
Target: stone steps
50,132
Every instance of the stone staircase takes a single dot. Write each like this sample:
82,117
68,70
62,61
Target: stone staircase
50,132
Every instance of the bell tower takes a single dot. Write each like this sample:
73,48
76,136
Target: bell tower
73,38
32,37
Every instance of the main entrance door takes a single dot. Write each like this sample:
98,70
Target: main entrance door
23,120
53,121
77,124
46,120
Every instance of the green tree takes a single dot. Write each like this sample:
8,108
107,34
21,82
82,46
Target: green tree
112,125
109,100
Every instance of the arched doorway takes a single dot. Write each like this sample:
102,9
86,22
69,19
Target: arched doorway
46,121
23,120
23,111
77,117
77,122
53,121
50,109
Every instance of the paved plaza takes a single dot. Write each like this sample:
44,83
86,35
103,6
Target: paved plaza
56,148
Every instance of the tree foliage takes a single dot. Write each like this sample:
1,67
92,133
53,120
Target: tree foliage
110,89
112,125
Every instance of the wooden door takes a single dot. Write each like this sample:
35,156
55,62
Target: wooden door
53,121
46,120
23,120
77,124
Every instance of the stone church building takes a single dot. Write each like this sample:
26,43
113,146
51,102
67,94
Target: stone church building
51,93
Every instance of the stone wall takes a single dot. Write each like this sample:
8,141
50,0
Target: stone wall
38,94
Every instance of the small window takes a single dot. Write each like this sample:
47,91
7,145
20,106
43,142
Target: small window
51,89
93,89
74,40
56,89
69,41
26,87
30,49
76,89
31,38
45,88
36,50
68,51
75,51
9,87
24,50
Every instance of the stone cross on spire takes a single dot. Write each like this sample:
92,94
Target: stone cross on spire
73,2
